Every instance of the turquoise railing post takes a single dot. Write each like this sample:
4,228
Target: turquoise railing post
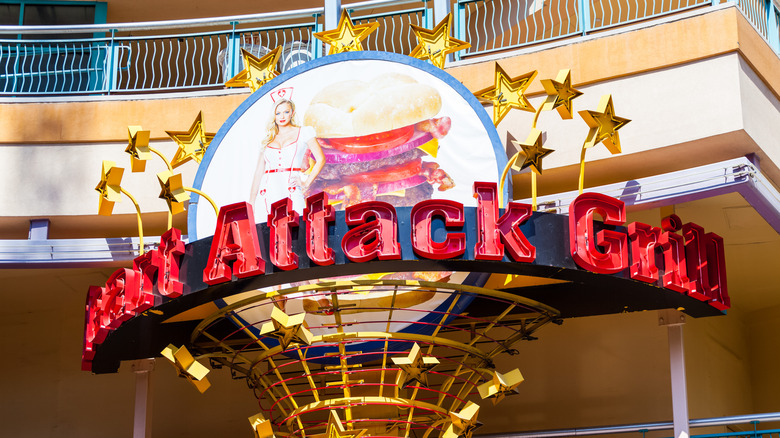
427,16
317,44
584,6
111,64
460,26
234,52
771,26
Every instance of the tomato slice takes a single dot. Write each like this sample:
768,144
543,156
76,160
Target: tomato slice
389,173
373,142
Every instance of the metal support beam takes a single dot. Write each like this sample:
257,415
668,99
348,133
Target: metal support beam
332,14
142,414
674,321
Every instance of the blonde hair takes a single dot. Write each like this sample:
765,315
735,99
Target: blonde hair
273,129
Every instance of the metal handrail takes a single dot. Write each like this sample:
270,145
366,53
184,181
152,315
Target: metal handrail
641,427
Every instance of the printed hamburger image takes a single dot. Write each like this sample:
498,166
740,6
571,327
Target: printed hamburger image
380,138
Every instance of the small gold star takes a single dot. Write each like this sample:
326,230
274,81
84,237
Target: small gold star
560,94
533,150
192,143
501,385
414,367
336,429
187,366
172,191
507,93
435,44
604,125
138,148
346,37
109,187
287,329
257,71
261,427
463,422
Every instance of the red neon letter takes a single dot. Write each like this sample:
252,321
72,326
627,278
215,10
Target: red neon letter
318,214
171,250
706,266
281,218
235,240
644,240
581,234
422,215
494,234
375,234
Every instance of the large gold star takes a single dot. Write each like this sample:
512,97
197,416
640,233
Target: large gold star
336,429
560,94
346,37
261,426
138,148
287,329
192,143
414,367
604,125
109,187
507,93
172,191
187,366
257,71
435,44
500,385
533,150
463,422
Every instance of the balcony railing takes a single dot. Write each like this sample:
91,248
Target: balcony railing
204,53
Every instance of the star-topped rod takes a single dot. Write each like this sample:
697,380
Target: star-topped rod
507,93
347,37
139,149
257,71
463,422
187,367
604,126
287,329
500,385
414,367
560,94
192,143
435,44
175,193
261,427
109,188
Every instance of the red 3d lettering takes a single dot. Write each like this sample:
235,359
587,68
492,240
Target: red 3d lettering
494,233
319,214
280,221
235,242
164,262
375,235
706,266
583,241
422,215
673,245
644,241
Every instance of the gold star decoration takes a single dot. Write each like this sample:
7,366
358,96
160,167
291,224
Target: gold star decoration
533,150
604,125
463,422
109,187
261,427
435,44
257,71
414,367
346,37
187,366
138,148
336,430
287,329
500,385
507,93
192,143
172,191
560,94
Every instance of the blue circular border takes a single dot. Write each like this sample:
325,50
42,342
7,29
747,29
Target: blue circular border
487,123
